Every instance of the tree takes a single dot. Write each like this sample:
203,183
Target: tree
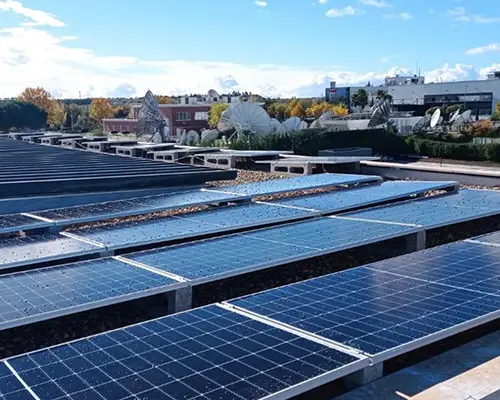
100,109
360,98
497,108
20,114
380,94
164,99
215,112
340,110
122,111
298,111
56,116
37,96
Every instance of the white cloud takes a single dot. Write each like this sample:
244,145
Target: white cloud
490,48
375,3
341,12
322,1
404,16
452,73
459,14
260,3
457,11
35,17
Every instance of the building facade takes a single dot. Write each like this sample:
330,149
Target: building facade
413,94
180,117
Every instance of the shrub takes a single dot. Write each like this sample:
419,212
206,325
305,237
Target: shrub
482,128
457,151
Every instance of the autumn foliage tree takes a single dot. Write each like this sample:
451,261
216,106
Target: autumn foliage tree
298,111
43,100
101,108
164,99
215,112
57,114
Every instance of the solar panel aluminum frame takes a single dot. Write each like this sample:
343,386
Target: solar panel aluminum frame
97,304
369,179
99,250
481,214
214,231
283,394
36,224
453,186
254,268
141,211
478,240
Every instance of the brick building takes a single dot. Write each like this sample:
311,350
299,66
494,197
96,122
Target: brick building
180,117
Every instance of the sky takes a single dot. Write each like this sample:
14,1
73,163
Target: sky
278,48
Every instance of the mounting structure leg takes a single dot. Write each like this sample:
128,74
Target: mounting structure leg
365,376
416,242
180,300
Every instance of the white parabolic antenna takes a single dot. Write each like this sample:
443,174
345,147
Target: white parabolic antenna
209,134
315,124
191,138
421,123
150,122
250,119
213,93
290,125
466,116
326,116
380,115
435,118
454,116
225,121
275,124
303,125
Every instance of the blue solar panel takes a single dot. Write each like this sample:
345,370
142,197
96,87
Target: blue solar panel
461,265
143,205
207,353
374,311
19,222
300,183
265,248
163,229
466,205
364,196
491,238
45,293
27,250
10,387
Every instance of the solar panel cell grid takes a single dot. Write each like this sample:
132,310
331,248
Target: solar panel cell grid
19,222
42,293
208,353
10,387
371,310
492,238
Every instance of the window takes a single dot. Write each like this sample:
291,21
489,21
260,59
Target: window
201,116
183,116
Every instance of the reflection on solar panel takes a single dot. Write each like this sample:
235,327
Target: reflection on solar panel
208,353
18,222
213,259
40,294
373,311
303,182
194,224
462,265
492,238
10,387
364,196
464,206
19,251
115,209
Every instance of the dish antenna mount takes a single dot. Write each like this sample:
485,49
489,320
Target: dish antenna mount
150,122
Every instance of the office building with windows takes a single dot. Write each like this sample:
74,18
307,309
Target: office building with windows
411,93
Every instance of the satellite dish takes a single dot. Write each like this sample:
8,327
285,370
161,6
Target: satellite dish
225,121
290,125
422,123
466,116
327,115
275,124
454,116
191,138
315,124
150,122
303,125
209,134
250,119
183,138
435,118
380,115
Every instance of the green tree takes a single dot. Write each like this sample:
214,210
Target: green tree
19,114
380,94
122,111
215,112
360,98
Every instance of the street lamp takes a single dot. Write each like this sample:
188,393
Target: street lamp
465,97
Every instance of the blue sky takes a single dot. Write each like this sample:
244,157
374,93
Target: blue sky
275,47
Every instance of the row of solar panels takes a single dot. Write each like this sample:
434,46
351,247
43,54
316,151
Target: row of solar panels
347,230
91,284
149,204
278,343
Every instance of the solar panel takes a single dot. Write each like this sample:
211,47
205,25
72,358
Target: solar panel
379,313
230,255
10,387
462,265
19,222
364,196
300,183
22,251
165,229
123,208
491,238
207,353
435,212
27,297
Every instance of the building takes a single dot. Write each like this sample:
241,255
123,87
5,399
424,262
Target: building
411,93
180,116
